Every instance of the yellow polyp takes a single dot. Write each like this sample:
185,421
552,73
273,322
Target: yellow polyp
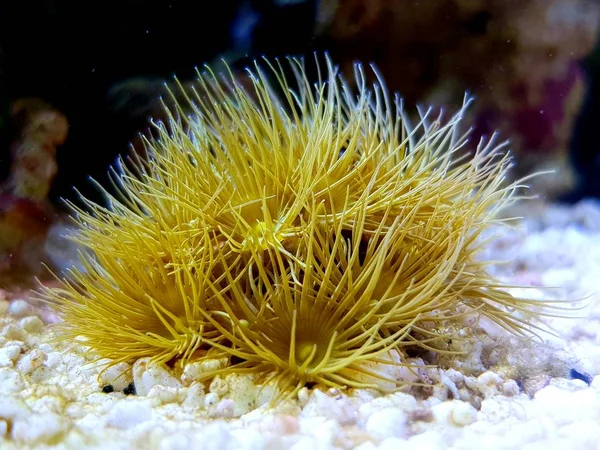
261,237
298,231
306,352
183,325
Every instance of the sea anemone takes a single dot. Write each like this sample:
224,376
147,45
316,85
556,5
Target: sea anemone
294,230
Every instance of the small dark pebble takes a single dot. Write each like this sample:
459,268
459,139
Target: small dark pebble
130,389
574,375
108,389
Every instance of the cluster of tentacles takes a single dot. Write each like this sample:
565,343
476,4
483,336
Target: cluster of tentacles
295,230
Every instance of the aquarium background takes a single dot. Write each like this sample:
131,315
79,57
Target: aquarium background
100,67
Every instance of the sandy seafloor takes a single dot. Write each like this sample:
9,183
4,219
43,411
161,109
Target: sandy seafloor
502,394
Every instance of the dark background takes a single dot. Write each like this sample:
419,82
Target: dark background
103,64
75,55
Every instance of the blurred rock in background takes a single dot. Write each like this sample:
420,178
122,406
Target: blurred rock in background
37,130
520,58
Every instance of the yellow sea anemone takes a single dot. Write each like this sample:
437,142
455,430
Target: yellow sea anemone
296,230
